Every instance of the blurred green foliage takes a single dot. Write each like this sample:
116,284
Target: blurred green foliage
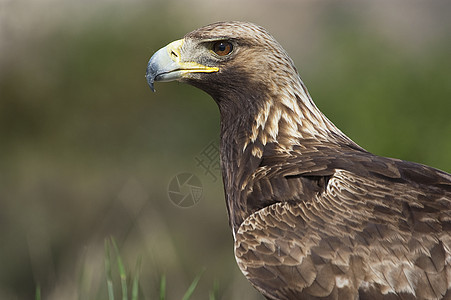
400,102
87,151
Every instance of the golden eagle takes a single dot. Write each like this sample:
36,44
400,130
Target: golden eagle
313,215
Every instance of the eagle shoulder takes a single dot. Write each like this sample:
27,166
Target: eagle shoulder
371,230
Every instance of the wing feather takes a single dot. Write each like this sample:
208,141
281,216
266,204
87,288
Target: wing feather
351,231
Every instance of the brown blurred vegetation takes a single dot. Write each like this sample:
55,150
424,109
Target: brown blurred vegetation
87,151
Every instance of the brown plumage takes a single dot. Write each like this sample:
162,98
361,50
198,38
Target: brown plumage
313,215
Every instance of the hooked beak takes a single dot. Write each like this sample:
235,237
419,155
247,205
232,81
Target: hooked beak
166,65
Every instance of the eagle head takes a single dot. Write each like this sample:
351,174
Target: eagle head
224,60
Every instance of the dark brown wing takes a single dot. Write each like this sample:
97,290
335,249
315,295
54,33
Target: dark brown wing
360,226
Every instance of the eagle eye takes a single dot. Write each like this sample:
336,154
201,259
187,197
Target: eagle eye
222,48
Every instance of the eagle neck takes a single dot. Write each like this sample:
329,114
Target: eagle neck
259,125
236,165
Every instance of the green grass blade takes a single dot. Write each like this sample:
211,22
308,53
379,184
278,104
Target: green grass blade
122,273
214,294
109,278
192,287
163,287
38,292
135,286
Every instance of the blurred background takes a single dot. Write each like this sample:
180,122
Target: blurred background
87,151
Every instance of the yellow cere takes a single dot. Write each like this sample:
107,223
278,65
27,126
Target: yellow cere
186,67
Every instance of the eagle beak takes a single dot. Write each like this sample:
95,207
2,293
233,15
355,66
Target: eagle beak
166,65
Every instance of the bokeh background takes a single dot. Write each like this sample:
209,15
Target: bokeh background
87,150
